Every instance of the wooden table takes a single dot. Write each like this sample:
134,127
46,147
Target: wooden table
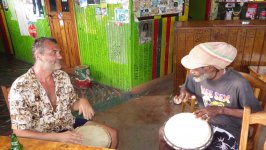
33,144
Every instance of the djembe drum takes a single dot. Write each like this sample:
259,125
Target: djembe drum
94,135
185,131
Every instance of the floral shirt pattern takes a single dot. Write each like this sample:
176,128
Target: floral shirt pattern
30,107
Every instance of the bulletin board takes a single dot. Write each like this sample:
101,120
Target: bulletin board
146,8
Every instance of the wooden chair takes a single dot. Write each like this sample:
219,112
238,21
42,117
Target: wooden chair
249,118
259,87
5,91
5,114
191,103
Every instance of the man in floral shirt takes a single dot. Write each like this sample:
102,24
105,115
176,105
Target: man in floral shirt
41,100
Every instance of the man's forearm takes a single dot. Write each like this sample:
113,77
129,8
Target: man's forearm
231,112
37,135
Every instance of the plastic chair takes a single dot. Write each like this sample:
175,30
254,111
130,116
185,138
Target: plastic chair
249,118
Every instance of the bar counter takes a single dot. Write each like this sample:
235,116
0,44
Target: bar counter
34,144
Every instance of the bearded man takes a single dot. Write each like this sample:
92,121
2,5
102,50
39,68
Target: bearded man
221,92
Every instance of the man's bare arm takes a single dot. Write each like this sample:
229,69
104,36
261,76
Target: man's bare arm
66,137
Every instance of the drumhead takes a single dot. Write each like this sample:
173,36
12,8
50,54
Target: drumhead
94,136
185,131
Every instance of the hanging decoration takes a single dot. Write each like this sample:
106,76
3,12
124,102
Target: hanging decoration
32,30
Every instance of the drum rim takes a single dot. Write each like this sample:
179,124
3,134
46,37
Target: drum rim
105,130
180,148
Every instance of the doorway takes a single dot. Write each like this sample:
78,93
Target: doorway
62,23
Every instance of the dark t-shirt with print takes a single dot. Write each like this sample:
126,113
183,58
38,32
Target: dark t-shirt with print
232,91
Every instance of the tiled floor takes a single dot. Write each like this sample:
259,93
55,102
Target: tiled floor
137,118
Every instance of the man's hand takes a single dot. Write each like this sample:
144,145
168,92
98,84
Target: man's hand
84,107
70,137
208,112
184,96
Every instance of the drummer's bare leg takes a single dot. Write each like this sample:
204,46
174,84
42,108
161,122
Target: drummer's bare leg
162,144
113,133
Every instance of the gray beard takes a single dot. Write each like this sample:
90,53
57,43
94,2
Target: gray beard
201,78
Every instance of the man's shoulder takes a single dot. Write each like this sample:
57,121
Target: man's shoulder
26,77
236,78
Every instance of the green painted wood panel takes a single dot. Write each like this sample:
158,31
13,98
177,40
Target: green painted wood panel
104,46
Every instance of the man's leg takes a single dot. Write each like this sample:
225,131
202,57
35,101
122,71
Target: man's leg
222,139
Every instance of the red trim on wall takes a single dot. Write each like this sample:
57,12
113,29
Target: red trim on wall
168,28
155,36
208,9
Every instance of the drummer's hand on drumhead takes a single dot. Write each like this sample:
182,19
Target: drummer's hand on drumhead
70,137
85,109
208,112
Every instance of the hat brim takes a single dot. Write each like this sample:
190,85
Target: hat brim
190,64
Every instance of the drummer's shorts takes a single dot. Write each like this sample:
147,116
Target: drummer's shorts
222,139
79,122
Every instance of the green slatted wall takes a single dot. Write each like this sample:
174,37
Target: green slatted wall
22,44
104,46
141,59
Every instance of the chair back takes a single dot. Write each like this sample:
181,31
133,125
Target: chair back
191,103
5,91
249,118
259,87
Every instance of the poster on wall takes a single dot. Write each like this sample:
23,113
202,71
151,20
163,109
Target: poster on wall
81,3
92,2
31,12
22,19
145,31
113,1
4,2
157,7
122,15
12,9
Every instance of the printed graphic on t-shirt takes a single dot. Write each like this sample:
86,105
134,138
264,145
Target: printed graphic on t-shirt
213,98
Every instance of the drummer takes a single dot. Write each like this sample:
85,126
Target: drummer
42,100
221,92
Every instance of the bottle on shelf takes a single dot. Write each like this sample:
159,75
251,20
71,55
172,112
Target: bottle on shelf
15,145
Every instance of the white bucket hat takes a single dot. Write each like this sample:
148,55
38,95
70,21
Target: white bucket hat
217,54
